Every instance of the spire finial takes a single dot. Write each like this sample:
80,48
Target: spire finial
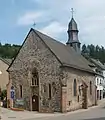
34,24
72,11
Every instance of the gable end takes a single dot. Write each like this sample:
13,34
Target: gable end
24,43
19,50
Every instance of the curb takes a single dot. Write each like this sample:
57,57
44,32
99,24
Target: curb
17,109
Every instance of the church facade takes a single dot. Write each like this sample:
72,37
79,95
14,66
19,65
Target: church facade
50,76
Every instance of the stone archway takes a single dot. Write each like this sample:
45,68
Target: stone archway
33,79
35,103
35,89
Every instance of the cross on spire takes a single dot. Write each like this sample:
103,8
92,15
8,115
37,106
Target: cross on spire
72,12
34,25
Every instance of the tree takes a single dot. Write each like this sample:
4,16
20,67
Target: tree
84,49
95,52
8,50
3,94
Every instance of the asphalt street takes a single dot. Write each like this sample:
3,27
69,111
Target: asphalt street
96,113
92,113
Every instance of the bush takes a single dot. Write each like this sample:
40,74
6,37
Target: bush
3,94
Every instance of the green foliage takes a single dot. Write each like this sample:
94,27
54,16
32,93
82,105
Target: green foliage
3,94
8,50
97,52
93,51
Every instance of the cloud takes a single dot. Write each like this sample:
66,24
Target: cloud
53,29
89,15
29,18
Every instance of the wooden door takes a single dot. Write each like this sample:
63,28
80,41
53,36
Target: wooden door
35,103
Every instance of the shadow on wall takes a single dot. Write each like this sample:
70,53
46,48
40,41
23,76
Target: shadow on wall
102,118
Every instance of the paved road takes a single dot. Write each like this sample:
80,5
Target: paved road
93,113
96,113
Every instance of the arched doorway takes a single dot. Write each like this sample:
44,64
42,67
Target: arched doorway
35,103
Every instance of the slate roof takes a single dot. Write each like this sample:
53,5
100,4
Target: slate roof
7,61
98,63
65,54
72,25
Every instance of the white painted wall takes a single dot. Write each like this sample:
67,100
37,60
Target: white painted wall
104,77
100,88
100,82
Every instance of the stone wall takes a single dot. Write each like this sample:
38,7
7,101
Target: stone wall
34,53
75,102
9,101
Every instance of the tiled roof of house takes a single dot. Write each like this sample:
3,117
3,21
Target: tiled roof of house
7,61
98,63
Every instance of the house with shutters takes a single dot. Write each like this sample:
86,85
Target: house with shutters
51,76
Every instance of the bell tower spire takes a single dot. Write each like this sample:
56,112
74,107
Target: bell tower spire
72,11
73,34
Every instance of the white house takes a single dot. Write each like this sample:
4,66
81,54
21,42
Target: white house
100,87
104,84
99,68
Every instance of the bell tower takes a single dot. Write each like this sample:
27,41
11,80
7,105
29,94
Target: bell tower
73,34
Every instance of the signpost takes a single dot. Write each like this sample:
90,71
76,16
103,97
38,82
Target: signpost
12,94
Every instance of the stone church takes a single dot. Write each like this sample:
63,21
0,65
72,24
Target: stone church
51,76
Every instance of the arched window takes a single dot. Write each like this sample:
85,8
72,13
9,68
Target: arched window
75,87
50,91
90,88
71,44
44,88
21,91
97,81
35,77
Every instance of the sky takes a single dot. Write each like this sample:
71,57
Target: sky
52,18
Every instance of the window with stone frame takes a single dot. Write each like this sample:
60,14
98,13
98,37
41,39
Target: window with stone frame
54,89
35,78
97,81
71,44
100,81
50,94
75,87
21,91
90,88
44,88
80,91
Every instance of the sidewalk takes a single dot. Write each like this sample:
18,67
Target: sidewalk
101,102
22,115
7,114
25,115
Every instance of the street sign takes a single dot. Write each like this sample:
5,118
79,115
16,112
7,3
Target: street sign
12,93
